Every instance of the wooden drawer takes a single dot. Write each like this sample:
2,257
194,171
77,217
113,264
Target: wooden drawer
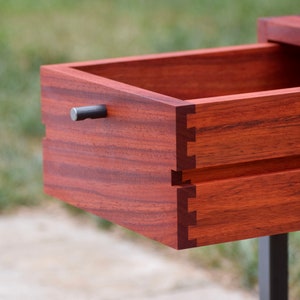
198,147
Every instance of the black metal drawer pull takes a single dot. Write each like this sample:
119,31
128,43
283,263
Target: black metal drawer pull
88,112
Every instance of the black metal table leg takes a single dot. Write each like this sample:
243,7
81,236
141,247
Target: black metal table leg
273,267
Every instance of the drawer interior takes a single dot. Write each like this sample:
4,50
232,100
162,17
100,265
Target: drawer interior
207,73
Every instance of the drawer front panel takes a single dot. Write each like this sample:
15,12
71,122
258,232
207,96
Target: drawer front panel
253,128
240,208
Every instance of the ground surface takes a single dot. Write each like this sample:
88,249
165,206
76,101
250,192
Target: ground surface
48,254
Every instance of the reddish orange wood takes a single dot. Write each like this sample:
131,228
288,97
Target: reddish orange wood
250,127
280,29
207,73
238,170
118,167
199,147
249,207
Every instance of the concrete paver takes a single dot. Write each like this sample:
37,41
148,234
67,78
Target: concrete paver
48,254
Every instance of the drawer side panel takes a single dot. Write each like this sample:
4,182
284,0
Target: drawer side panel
248,207
119,167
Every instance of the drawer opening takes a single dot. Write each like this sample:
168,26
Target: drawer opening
207,73
252,168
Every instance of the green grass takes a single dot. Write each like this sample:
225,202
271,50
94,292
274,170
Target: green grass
33,33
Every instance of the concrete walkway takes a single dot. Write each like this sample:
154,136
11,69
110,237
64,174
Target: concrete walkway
47,254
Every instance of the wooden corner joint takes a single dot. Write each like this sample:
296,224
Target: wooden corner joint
186,218
184,136
186,191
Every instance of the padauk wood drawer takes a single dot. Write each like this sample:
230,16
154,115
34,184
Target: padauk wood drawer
198,147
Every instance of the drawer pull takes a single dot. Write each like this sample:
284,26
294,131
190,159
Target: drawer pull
88,112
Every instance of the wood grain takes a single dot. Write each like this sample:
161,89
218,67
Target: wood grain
207,73
246,128
118,167
199,147
284,29
248,207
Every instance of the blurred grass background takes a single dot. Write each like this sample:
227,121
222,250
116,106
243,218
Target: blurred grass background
33,33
